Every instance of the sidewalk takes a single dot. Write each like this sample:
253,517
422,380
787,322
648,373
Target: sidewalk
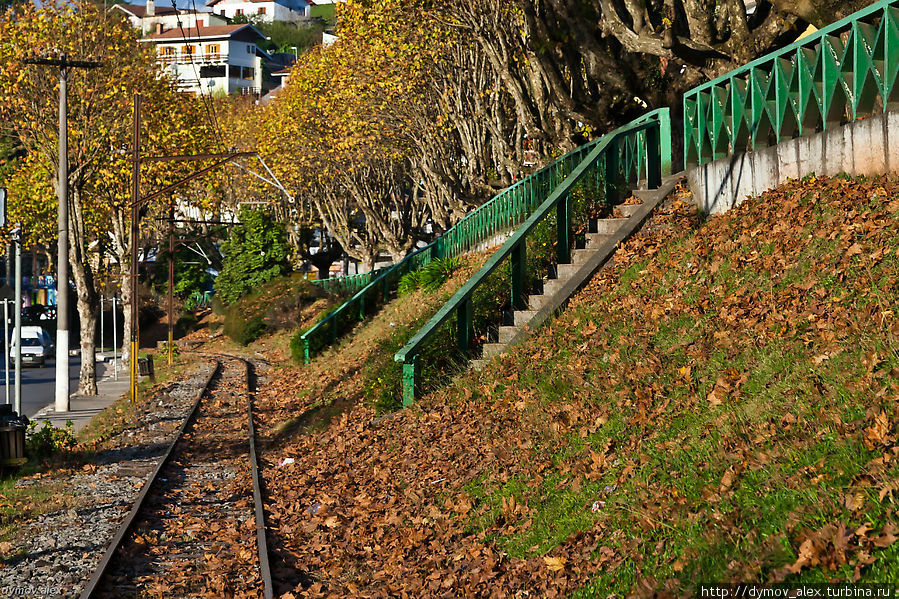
83,409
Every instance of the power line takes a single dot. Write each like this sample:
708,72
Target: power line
209,108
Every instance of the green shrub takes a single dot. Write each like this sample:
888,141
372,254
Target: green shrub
297,348
409,283
255,253
429,278
276,305
244,330
437,272
48,440
187,322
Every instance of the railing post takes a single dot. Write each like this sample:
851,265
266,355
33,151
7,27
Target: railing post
437,249
307,354
664,117
611,182
362,307
409,381
519,260
653,158
463,326
563,230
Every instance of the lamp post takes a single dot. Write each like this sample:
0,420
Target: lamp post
62,259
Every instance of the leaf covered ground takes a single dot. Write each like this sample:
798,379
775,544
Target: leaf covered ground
720,405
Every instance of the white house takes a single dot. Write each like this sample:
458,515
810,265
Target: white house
218,59
156,19
265,10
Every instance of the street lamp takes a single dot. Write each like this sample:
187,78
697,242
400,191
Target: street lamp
62,259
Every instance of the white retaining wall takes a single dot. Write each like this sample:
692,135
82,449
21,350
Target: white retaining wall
866,147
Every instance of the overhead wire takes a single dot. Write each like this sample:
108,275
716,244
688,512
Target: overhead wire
208,105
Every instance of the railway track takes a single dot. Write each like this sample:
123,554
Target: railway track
197,527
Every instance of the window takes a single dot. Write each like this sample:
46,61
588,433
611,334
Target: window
212,72
248,73
238,12
190,49
261,10
213,50
249,49
167,51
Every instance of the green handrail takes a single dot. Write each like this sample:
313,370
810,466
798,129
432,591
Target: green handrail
832,76
650,133
502,213
355,308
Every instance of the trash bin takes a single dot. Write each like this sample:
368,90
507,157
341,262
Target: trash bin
145,367
12,438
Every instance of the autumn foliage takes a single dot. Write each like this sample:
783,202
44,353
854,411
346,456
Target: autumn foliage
721,404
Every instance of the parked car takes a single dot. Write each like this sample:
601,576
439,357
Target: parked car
37,347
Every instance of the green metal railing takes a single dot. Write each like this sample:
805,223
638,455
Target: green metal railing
362,303
501,214
840,73
344,285
639,152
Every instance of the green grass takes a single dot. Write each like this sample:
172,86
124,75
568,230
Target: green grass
724,485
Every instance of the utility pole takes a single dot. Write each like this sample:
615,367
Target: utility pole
135,233
171,278
62,260
137,201
17,334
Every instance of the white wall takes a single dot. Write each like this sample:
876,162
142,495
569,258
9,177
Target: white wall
273,10
239,55
866,147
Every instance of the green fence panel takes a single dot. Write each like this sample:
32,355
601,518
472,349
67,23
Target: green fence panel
631,150
838,74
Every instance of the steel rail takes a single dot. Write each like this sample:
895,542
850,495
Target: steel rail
265,570
126,524
259,508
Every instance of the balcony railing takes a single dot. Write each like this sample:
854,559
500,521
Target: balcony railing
202,58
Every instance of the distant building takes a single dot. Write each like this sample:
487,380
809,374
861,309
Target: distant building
219,59
264,10
152,19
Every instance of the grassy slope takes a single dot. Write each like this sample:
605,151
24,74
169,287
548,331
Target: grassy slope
720,405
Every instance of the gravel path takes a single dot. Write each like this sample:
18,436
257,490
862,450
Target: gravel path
59,551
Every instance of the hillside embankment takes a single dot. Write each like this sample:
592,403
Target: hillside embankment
718,405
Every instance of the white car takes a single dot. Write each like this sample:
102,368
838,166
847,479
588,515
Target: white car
37,347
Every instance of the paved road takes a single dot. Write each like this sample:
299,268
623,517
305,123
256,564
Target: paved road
38,384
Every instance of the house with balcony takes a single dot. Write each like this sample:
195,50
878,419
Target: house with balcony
264,10
151,19
208,60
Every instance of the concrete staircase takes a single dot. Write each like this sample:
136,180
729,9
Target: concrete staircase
602,241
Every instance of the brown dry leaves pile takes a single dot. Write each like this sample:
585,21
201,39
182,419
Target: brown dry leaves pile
378,507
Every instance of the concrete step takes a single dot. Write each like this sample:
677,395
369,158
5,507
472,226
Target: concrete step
609,226
566,271
479,365
628,210
522,317
550,286
595,240
492,349
644,193
535,302
507,333
580,256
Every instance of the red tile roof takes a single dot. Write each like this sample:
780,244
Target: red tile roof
194,33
